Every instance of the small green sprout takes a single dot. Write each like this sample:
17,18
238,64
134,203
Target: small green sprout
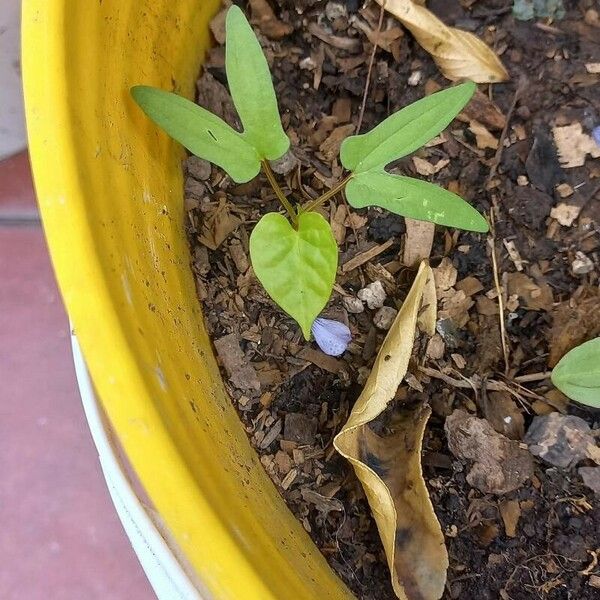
296,260
577,375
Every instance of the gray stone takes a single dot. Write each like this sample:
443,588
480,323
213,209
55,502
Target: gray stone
384,317
373,294
353,305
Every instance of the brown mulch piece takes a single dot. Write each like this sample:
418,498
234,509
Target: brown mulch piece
539,540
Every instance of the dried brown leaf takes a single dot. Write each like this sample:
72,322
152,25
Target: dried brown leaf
458,54
574,322
389,467
424,167
445,276
483,137
510,511
534,296
268,23
330,148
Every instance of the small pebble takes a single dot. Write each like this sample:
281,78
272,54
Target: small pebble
582,264
353,305
307,64
415,78
373,294
384,317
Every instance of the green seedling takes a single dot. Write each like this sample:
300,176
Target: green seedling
577,375
296,258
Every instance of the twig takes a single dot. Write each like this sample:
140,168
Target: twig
330,194
356,240
279,192
550,29
363,103
490,384
498,155
533,377
465,384
492,245
306,195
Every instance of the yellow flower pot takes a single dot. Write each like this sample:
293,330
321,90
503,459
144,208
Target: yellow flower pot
110,191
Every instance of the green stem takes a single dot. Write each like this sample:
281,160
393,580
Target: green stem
327,195
279,192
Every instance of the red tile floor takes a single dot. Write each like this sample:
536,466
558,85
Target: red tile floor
60,538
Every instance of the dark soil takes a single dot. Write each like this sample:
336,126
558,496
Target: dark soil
549,301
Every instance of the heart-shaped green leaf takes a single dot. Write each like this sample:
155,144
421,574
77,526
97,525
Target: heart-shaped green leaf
201,132
251,88
577,374
413,198
296,266
406,130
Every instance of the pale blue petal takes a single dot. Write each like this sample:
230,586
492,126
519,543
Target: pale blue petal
332,336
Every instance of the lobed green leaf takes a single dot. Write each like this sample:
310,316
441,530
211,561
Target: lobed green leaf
577,374
413,198
251,88
405,131
200,131
297,267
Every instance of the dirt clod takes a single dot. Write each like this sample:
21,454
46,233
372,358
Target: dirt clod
561,440
353,305
384,317
241,373
499,466
299,428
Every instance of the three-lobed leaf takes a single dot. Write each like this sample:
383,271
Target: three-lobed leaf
200,131
368,154
209,137
405,131
251,88
577,375
413,198
296,267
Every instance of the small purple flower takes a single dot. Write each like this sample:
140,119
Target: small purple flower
596,134
332,336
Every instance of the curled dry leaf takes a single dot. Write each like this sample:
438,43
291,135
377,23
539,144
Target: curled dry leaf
458,54
389,467
269,24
